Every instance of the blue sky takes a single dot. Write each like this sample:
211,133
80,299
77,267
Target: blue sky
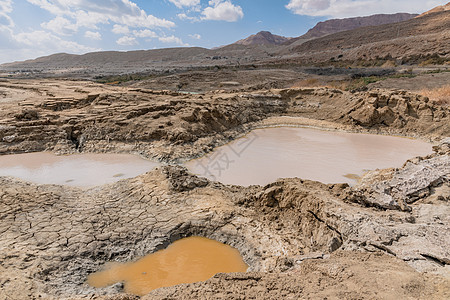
33,28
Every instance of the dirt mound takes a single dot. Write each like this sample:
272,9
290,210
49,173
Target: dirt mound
345,275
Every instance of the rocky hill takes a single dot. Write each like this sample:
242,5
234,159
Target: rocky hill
428,35
338,25
445,7
412,41
263,38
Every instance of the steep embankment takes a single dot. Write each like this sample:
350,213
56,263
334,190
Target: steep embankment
70,116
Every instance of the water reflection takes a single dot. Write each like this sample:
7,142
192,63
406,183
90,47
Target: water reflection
267,154
188,260
76,170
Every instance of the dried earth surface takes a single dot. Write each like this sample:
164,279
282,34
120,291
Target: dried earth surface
383,238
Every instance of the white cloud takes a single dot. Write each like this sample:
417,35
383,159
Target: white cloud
5,9
61,26
36,44
90,19
5,20
24,45
171,40
120,29
145,33
184,17
185,3
5,6
352,8
87,13
127,41
196,36
93,35
48,42
220,10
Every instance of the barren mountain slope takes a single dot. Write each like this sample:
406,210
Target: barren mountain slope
159,60
338,25
445,7
263,38
427,35
111,60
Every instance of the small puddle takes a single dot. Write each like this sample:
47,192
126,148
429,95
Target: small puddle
264,155
83,170
261,157
185,261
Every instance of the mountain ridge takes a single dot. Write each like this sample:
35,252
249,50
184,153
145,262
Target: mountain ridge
427,35
338,25
263,38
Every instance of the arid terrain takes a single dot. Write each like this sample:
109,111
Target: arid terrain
423,39
383,238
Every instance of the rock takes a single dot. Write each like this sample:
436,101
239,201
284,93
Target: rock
28,114
180,180
9,138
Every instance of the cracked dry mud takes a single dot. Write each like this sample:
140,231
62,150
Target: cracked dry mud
386,237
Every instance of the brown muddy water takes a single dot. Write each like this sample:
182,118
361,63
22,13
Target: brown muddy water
185,261
84,170
265,155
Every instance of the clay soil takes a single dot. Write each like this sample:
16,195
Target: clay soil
386,237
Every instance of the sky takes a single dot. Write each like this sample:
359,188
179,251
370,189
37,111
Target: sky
34,28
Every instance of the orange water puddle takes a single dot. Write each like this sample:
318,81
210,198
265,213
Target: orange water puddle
185,261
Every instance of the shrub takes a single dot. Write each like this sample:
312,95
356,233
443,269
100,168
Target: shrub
438,95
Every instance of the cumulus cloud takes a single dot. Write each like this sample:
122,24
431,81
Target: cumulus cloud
185,3
48,42
93,35
6,6
25,45
145,33
171,40
352,8
5,9
87,13
220,10
120,29
184,17
61,26
127,41
195,36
